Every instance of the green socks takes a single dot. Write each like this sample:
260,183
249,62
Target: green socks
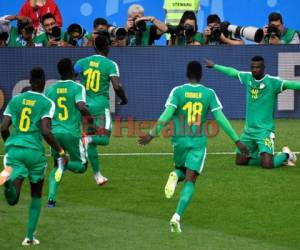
279,159
53,185
180,174
100,140
93,157
34,214
185,197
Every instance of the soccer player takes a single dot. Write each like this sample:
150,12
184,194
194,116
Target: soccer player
188,105
262,91
30,113
96,72
69,97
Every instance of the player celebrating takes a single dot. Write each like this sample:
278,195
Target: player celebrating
262,91
70,98
96,73
189,104
30,113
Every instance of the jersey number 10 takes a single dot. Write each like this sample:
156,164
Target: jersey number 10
93,79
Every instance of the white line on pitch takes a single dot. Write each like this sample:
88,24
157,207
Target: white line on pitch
156,154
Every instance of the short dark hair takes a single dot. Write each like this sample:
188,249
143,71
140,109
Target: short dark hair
275,16
194,70
37,77
257,59
99,21
47,16
101,44
65,66
213,19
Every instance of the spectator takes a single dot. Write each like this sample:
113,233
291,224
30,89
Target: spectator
53,35
213,34
36,9
140,33
174,10
186,32
276,33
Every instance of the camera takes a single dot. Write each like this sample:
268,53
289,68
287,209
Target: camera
56,34
4,32
273,31
140,25
248,32
116,32
189,30
215,32
75,32
174,30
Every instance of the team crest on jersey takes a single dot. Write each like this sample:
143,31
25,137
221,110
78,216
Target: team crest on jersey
262,86
254,93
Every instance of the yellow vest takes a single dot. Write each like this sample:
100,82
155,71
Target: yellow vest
175,9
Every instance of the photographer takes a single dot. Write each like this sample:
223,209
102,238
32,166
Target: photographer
214,35
53,35
76,36
20,36
101,27
276,33
186,32
139,32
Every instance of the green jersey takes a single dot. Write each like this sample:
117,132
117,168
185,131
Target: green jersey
67,118
261,99
26,111
192,103
95,72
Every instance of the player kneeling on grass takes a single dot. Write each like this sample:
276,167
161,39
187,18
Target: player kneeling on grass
258,136
70,98
189,104
97,72
30,113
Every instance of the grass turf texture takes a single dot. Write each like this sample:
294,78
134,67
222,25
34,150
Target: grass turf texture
233,207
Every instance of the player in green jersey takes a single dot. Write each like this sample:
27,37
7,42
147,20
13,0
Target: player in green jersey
30,113
261,95
70,98
188,105
96,73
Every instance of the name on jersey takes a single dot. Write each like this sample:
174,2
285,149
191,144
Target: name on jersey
94,64
28,102
193,95
62,91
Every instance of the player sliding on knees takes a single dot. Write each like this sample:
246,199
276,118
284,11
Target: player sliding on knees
96,73
30,113
188,105
70,98
261,95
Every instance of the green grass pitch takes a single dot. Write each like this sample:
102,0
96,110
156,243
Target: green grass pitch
233,207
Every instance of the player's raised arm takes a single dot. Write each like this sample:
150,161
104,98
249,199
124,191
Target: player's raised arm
229,71
115,81
287,84
228,129
163,120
